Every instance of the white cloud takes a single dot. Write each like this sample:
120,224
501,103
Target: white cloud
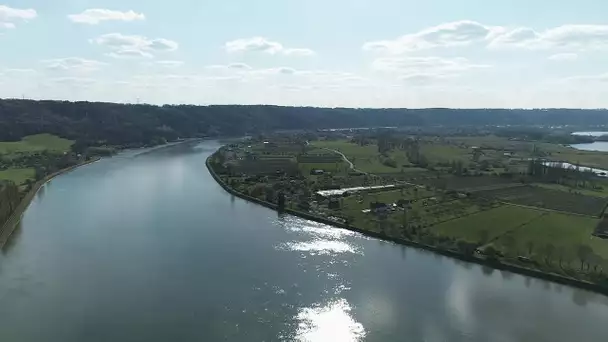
9,16
418,68
285,76
456,33
79,82
119,41
299,52
275,71
423,79
238,66
129,54
133,46
587,79
161,44
461,33
223,78
255,44
169,64
19,72
562,57
233,67
76,64
519,37
263,45
95,16
569,37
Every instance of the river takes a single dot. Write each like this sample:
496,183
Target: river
147,247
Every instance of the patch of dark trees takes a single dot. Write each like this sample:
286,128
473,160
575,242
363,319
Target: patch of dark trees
9,200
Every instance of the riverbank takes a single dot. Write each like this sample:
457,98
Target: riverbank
8,227
495,264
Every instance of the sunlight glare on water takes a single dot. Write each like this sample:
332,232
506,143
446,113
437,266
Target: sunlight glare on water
321,247
331,322
298,225
320,239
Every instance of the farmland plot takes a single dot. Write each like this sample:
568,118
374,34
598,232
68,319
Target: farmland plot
549,199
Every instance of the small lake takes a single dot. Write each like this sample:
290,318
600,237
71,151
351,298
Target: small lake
591,133
601,146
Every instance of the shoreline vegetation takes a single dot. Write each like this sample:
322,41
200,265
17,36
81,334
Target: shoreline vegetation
8,227
513,219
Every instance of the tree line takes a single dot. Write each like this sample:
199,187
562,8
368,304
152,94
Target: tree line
9,200
94,123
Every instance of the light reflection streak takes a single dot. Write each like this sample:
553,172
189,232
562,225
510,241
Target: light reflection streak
331,322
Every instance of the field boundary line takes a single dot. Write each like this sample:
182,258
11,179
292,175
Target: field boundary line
541,215
463,216
549,210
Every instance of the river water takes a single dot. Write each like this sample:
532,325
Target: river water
601,146
147,247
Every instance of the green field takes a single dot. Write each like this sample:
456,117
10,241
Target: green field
333,168
523,149
366,158
36,143
574,156
486,225
18,176
564,232
588,192
437,153
552,199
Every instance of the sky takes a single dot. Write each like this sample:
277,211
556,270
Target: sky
329,53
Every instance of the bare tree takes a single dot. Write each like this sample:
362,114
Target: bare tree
583,253
549,251
530,247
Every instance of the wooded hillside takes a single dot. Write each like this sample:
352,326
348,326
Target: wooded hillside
123,124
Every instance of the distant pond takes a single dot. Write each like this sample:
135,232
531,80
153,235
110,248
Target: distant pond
601,146
591,133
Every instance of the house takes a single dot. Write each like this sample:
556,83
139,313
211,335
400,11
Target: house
379,207
403,203
334,203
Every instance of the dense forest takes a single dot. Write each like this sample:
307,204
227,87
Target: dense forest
91,123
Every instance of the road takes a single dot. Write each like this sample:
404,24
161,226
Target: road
351,165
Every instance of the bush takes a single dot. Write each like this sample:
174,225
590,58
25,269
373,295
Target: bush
390,162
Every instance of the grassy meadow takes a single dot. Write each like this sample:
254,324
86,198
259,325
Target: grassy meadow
29,145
